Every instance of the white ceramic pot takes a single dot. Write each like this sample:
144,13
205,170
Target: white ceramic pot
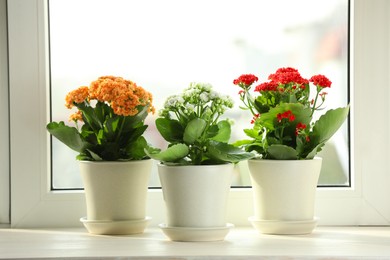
284,194
115,192
196,201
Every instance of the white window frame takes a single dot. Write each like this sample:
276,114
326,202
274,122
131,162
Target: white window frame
4,115
33,204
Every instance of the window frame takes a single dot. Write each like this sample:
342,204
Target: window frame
34,204
4,115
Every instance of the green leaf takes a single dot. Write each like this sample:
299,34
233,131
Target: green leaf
243,142
224,132
171,154
136,149
67,135
212,131
170,129
252,133
100,136
132,136
328,124
94,156
83,157
111,125
194,130
102,110
89,116
282,152
133,121
316,150
226,152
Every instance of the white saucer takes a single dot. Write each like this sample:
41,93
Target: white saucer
117,227
284,227
195,234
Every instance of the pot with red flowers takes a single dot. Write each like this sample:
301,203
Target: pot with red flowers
108,136
286,138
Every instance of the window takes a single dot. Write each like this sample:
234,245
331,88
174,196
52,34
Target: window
34,204
196,41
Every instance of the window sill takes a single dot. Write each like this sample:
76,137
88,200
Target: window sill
332,242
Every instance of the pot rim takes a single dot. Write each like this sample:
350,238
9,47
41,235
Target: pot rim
316,158
160,164
115,162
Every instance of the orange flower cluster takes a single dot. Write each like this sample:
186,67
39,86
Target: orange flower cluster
76,116
76,96
124,96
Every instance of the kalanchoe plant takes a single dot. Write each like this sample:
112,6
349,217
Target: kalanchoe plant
111,111
191,124
282,115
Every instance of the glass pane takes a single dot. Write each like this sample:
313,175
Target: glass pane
165,45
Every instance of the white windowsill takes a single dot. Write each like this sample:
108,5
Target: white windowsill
240,243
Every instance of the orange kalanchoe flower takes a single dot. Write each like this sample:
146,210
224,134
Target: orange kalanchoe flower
76,96
76,116
124,96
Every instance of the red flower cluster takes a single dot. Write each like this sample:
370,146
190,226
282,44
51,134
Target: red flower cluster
287,75
245,80
321,81
299,128
267,86
288,115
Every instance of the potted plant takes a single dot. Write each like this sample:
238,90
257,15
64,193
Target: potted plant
108,136
196,169
286,137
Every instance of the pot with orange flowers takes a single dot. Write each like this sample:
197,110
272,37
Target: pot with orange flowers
286,139
108,136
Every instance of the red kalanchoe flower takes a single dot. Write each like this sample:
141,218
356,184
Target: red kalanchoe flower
245,80
299,128
291,117
287,115
284,70
254,118
287,75
267,86
321,81
279,117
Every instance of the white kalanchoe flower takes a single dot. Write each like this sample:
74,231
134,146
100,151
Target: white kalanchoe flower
180,101
214,95
170,102
204,97
228,101
189,92
174,101
190,107
205,86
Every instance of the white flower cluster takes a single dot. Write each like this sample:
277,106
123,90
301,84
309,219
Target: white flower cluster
198,98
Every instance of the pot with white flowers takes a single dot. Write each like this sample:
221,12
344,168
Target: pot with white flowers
286,139
108,135
196,169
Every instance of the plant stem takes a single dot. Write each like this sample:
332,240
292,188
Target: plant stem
315,102
249,105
